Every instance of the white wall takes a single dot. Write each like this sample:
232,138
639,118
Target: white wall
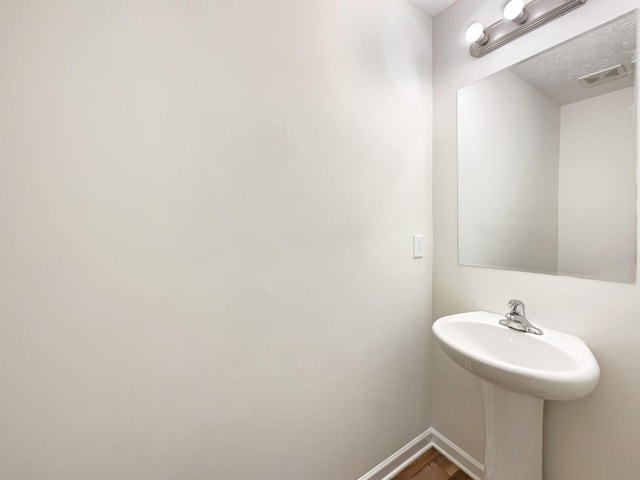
508,189
206,212
597,214
578,435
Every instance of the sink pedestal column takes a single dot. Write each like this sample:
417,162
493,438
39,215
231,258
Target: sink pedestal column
513,449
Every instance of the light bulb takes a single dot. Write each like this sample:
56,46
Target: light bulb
475,33
514,11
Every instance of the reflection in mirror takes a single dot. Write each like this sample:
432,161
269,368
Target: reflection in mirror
547,160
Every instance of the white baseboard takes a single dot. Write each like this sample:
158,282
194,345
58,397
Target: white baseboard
419,445
459,457
393,465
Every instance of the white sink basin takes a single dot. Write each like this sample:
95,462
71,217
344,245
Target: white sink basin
552,366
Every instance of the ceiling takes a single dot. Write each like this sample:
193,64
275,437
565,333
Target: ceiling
555,72
432,7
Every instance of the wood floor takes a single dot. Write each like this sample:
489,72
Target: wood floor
432,466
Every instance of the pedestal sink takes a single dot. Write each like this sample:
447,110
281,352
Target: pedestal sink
518,372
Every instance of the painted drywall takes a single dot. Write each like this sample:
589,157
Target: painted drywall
597,201
604,314
509,139
206,213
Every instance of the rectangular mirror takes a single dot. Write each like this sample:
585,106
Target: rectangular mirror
547,160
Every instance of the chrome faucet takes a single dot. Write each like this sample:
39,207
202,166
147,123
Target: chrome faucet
517,320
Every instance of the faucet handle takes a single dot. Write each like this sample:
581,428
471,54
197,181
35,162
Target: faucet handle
516,306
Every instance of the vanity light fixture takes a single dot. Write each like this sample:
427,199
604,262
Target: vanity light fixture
476,34
514,11
519,18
